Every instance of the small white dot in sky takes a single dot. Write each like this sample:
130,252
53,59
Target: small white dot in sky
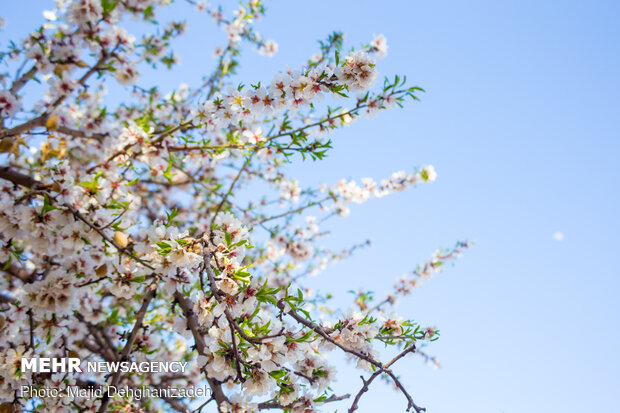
558,236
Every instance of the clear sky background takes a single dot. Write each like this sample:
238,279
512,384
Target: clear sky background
522,121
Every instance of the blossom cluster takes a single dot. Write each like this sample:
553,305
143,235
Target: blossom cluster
133,231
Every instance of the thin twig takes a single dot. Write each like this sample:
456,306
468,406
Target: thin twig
367,383
152,290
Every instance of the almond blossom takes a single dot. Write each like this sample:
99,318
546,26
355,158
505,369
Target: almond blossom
164,224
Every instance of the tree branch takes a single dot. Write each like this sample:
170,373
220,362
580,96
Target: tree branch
152,290
192,323
320,331
17,272
40,120
376,374
19,83
18,178
272,405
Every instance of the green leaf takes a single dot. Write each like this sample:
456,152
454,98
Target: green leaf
8,263
171,216
240,243
47,207
139,279
108,5
242,276
93,185
164,247
278,374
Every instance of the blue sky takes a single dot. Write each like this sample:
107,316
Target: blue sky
521,120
